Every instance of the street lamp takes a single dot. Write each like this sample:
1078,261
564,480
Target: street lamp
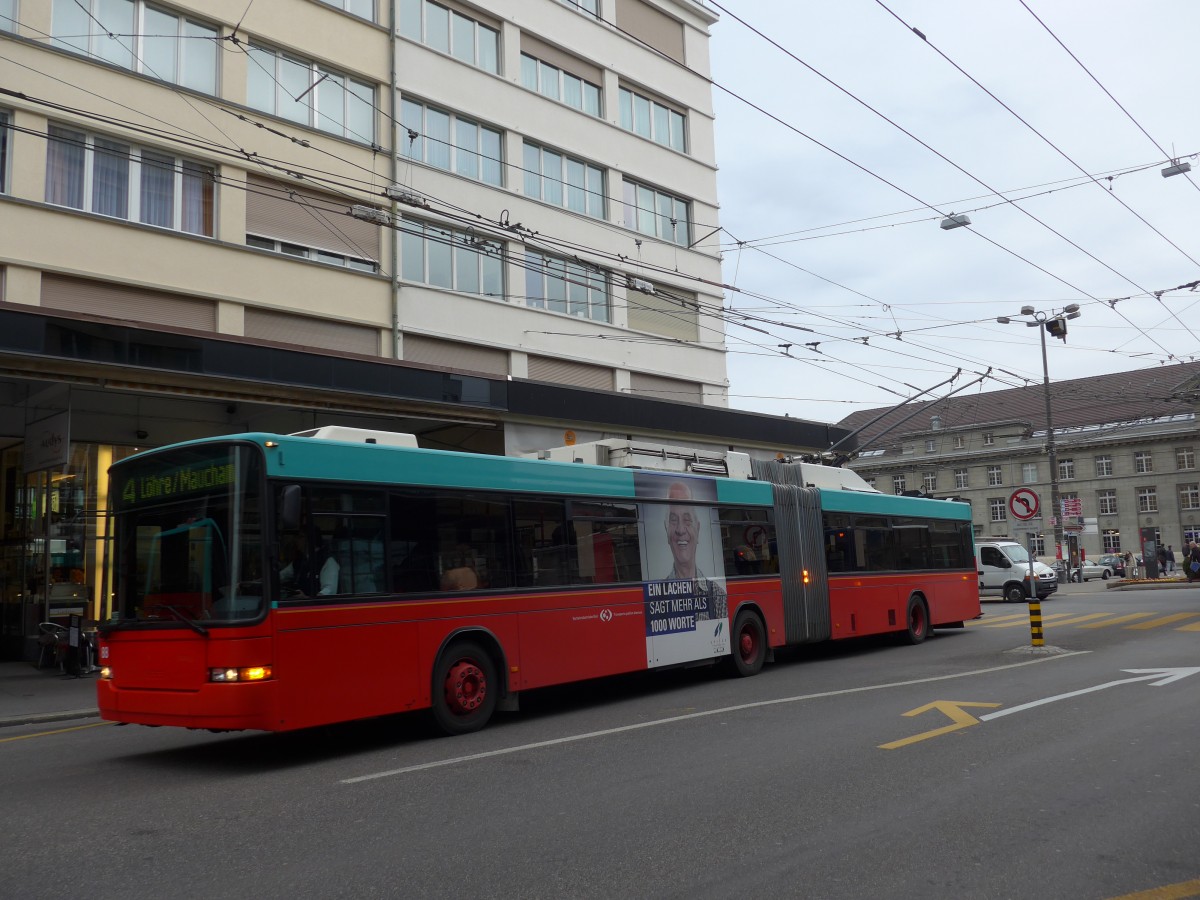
1054,323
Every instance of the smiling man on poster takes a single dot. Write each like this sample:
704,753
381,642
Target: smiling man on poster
686,608
683,538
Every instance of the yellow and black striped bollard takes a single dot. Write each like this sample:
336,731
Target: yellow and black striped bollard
1035,621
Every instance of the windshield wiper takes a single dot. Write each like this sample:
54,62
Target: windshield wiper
190,623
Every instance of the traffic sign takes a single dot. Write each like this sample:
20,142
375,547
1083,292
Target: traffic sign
1024,503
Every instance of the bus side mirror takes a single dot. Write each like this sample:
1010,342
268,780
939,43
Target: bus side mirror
289,508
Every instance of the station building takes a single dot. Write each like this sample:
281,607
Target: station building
491,224
1126,446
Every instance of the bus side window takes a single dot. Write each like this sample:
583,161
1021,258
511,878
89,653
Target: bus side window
413,543
540,543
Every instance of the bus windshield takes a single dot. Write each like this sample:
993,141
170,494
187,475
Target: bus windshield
189,535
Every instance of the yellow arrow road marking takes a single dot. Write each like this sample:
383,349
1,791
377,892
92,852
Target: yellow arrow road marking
1165,620
1195,626
951,708
1178,891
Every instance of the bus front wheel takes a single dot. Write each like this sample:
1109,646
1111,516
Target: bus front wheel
749,644
917,619
465,688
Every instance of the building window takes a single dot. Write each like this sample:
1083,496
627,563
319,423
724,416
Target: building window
929,482
1104,466
657,213
1112,540
1038,545
364,9
898,484
1191,534
1147,498
563,180
321,256
988,439
110,178
142,38
1106,502
448,141
995,476
931,446
449,31
447,258
590,6
1189,496
652,119
1066,469
871,481
1029,473
959,442
8,15
960,478
566,287
998,507
1143,461
558,84
327,100
1185,458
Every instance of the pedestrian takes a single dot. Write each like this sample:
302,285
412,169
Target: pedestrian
1132,568
1161,555
1170,560
1193,562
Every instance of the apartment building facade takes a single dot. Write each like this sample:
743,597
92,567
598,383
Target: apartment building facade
492,224
1126,451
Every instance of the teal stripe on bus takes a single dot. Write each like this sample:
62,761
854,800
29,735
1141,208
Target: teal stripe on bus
745,493
892,505
303,458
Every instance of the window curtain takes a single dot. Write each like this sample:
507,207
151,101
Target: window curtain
197,199
110,179
64,167
158,189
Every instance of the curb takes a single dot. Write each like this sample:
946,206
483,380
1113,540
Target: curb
37,718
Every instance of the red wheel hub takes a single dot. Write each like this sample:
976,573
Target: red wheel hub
466,687
748,645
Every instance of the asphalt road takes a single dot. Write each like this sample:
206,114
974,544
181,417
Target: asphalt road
1073,778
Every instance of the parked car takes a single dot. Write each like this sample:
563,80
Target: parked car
1089,569
1114,562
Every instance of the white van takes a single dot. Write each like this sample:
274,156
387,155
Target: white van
1004,567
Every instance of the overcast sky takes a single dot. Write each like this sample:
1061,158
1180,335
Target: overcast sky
783,195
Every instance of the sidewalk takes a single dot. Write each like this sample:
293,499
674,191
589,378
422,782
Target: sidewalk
29,695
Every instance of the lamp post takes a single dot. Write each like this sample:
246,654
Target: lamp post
1055,323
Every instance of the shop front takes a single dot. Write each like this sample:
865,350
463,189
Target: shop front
55,540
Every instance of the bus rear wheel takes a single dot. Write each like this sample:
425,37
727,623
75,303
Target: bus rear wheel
465,688
917,619
749,644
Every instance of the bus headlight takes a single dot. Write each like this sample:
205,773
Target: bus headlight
106,673
246,673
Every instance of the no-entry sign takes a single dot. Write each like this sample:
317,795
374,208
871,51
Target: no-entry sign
1024,503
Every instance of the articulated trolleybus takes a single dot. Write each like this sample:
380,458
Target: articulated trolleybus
278,582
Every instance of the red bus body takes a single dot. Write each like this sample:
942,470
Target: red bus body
319,660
